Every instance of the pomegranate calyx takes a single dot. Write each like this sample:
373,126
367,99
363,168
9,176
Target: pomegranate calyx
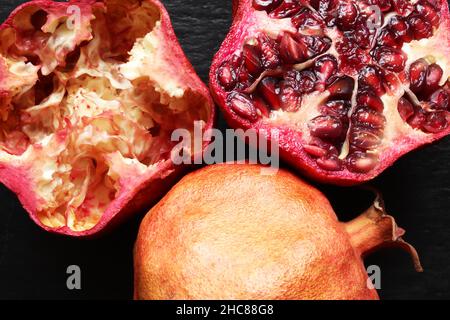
375,229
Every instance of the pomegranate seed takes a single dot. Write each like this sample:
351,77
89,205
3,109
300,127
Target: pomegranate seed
306,81
315,45
291,50
388,38
288,8
325,9
435,122
421,29
226,76
428,12
326,127
400,28
417,75
315,151
371,76
361,162
332,163
441,98
418,119
364,138
270,91
347,13
243,106
342,88
390,58
337,108
363,36
307,20
266,5
404,7
434,76
251,59
325,67
405,109
369,99
366,116
270,53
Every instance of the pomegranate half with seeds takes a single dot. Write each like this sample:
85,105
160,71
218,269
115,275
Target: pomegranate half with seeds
349,86
90,92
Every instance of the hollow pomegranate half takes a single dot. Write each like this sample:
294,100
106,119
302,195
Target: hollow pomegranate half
90,93
349,86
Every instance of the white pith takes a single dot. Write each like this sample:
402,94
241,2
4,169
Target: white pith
90,139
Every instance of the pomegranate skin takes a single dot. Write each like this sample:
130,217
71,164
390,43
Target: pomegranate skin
290,141
138,191
229,232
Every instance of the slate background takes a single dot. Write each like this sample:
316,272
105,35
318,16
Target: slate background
33,263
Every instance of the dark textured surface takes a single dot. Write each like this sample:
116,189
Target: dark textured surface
33,263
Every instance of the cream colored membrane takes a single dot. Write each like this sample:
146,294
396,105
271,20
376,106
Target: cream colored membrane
102,111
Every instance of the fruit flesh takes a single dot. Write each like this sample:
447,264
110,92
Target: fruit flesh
366,70
240,234
87,110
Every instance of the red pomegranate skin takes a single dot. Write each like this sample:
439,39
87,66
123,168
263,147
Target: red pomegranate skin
246,25
229,232
137,191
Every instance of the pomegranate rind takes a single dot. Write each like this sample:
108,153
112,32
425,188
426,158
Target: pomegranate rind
246,23
137,191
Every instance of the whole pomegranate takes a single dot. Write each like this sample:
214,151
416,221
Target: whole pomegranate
230,232
90,92
350,86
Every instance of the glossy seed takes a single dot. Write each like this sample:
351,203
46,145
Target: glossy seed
332,163
252,60
441,98
371,76
292,51
433,77
342,88
243,106
417,75
405,109
369,117
369,99
364,138
326,127
270,91
390,58
226,76
315,151
361,162
435,122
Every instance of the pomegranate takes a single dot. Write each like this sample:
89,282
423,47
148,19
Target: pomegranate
90,92
350,86
230,232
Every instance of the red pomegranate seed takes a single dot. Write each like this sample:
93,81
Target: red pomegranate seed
307,20
325,67
441,99
363,36
337,108
400,28
435,122
347,13
420,28
371,76
315,151
287,8
366,116
434,76
364,138
361,162
326,127
306,81
417,75
404,7
418,119
227,76
270,91
428,12
390,58
266,5
332,163
342,88
369,99
291,50
405,109
252,60
270,52
243,106
388,38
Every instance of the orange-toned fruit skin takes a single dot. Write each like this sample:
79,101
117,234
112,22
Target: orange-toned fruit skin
230,232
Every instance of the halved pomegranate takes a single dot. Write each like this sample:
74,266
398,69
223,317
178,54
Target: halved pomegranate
90,92
350,86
